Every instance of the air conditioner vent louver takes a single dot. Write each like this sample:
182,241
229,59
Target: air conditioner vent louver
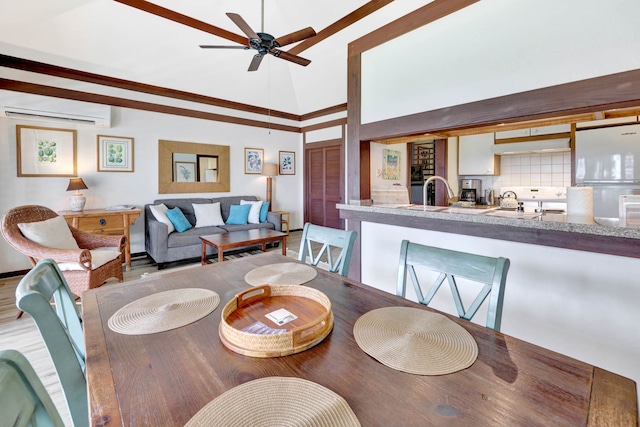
21,106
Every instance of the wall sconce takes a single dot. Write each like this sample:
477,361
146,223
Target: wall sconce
77,200
270,170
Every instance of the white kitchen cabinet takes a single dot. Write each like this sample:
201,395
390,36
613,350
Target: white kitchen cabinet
547,130
475,156
542,130
515,133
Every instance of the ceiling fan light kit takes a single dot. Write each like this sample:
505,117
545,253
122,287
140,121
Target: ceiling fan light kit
265,43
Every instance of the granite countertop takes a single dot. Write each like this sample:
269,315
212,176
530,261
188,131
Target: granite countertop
496,216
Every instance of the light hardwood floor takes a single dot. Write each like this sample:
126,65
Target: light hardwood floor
23,335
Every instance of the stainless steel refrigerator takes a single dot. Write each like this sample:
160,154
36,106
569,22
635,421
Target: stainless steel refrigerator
608,159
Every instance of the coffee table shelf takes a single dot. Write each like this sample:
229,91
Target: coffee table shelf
240,239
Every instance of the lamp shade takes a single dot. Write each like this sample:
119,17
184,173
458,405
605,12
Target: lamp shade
76,184
270,169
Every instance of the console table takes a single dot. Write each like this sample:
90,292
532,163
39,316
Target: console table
106,222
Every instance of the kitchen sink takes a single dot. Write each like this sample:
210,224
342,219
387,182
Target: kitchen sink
423,208
513,214
467,211
610,222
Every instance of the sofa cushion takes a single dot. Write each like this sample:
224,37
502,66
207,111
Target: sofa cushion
207,214
99,257
159,211
179,221
192,236
238,214
264,210
226,202
254,212
185,205
52,233
230,227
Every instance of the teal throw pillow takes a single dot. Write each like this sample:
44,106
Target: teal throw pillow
238,214
179,221
264,210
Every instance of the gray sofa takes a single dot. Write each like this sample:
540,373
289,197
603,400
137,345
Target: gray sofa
165,248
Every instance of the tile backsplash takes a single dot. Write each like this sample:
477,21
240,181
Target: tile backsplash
521,170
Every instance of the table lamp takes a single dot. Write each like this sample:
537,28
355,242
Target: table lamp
270,170
77,200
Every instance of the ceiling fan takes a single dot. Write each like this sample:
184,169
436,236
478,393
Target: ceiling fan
265,43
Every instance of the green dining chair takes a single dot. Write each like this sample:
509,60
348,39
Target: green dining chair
329,238
492,272
23,399
60,325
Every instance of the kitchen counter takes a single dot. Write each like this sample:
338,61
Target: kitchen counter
557,230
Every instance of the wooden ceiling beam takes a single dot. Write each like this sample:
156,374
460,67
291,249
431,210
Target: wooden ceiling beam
162,12
362,12
57,92
69,73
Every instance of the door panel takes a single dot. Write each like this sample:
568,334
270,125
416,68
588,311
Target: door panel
324,184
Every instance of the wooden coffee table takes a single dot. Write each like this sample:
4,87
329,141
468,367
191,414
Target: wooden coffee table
238,239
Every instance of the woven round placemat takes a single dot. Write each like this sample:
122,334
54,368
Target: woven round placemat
164,311
287,273
276,402
415,341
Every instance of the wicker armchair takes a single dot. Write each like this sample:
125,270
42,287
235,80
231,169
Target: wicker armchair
78,280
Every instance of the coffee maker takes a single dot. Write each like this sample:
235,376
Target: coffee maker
470,190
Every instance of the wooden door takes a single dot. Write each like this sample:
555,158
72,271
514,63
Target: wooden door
324,183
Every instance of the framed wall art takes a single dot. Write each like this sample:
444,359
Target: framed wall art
287,162
253,160
115,154
46,151
390,164
185,172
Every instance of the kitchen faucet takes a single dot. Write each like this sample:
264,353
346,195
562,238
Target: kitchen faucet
426,183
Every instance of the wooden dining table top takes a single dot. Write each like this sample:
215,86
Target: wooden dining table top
164,379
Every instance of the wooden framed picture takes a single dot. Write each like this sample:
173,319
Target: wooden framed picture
46,151
287,163
253,160
184,172
115,154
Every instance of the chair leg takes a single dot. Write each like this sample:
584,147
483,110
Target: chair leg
19,315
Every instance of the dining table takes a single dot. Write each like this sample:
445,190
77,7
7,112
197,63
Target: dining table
165,378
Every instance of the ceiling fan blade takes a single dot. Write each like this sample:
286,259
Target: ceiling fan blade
290,57
296,36
255,62
242,24
209,46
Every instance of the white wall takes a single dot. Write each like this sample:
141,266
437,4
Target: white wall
577,303
498,47
141,186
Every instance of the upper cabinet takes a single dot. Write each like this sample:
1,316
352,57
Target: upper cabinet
538,131
475,156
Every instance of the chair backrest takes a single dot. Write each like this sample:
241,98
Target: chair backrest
329,238
23,214
491,272
23,399
61,330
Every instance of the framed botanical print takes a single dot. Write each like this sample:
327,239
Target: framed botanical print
46,151
115,154
287,162
253,159
184,172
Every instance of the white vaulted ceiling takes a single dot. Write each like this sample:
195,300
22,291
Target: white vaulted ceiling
112,39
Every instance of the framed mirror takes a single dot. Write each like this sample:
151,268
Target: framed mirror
187,167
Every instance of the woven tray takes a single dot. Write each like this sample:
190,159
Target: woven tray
313,323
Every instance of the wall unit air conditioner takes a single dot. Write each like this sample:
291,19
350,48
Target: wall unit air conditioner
20,106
